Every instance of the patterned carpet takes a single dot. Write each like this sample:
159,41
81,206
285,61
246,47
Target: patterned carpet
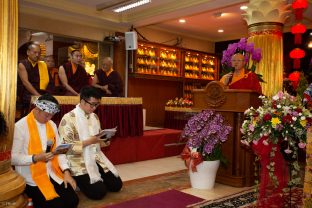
139,188
248,199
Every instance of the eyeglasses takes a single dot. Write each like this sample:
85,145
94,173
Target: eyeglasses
94,105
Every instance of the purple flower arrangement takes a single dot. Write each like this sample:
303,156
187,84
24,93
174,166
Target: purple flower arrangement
205,132
241,47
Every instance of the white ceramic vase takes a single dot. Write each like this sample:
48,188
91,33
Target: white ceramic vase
205,176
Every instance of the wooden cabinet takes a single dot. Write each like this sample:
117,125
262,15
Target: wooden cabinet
189,85
199,68
157,60
200,65
157,74
193,69
146,60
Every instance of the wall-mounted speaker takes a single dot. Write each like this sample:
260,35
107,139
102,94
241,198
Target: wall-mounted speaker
131,40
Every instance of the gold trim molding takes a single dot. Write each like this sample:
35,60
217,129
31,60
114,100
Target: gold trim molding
74,100
181,109
265,26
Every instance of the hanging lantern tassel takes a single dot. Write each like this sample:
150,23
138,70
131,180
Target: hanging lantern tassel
296,63
298,29
297,54
299,6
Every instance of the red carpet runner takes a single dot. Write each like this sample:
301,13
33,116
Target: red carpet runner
167,199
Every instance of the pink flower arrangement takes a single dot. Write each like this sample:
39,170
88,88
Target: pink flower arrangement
282,121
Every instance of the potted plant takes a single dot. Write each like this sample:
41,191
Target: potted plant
276,131
204,132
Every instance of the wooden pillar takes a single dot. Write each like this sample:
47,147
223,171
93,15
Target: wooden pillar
11,184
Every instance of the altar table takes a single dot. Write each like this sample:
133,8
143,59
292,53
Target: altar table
177,117
125,113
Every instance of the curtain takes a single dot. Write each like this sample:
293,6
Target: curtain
8,67
268,37
127,118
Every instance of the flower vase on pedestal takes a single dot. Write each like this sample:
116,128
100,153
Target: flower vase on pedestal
204,177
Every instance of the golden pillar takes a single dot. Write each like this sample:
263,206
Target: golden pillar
11,184
265,19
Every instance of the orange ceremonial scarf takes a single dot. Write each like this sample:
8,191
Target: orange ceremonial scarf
74,67
109,72
39,170
43,73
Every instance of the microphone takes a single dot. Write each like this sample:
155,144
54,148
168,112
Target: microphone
232,71
49,145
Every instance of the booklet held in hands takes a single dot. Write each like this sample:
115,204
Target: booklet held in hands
62,149
107,133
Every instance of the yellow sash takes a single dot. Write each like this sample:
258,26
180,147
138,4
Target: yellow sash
109,72
39,170
43,74
74,68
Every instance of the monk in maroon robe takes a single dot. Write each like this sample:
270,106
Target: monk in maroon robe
72,75
107,80
239,79
33,78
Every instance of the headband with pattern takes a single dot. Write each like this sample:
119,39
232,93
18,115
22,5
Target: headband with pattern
47,106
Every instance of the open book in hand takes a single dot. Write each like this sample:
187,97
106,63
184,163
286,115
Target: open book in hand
107,133
62,149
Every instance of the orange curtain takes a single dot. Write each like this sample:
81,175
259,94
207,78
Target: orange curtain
8,66
270,40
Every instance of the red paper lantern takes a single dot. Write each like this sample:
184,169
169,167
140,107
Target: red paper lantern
294,78
298,29
299,6
297,54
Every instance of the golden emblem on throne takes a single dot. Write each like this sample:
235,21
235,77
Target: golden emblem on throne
215,94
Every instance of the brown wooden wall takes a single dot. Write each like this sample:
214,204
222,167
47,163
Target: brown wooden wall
155,94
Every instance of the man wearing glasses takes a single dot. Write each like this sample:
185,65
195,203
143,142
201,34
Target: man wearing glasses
93,172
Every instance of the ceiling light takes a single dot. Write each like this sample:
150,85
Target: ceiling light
182,20
310,44
220,31
218,14
244,7
132,5
38,33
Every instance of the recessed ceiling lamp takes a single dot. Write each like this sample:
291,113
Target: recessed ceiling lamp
220,31
182,21
132,5
244,7
218,14
38,33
